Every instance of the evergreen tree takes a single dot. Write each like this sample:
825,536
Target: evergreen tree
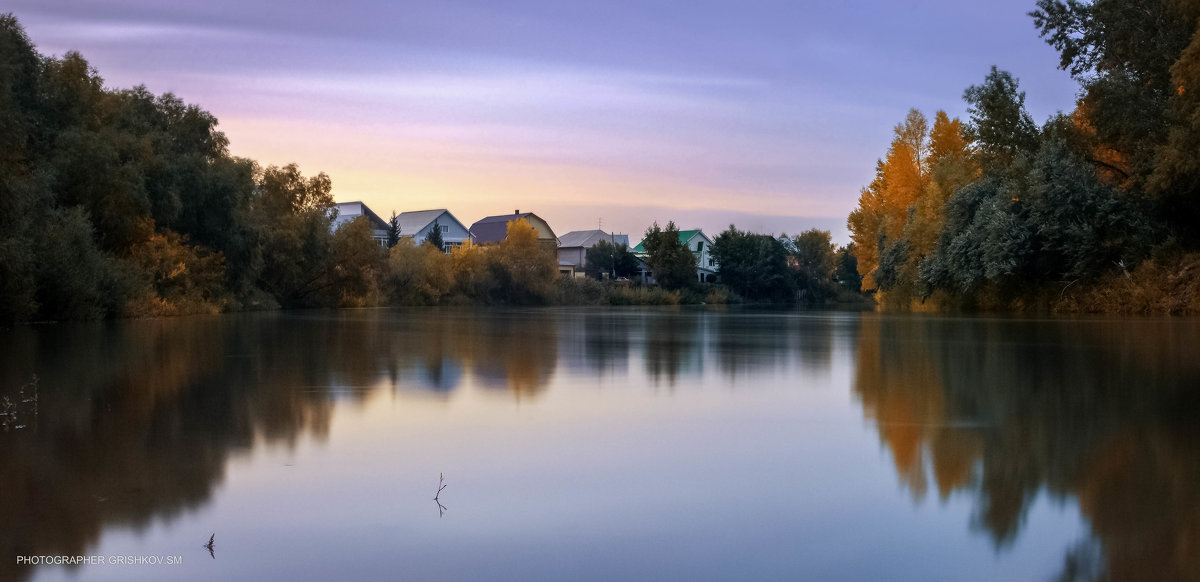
434,237
393,231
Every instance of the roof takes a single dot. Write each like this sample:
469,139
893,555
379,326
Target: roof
413,222
494,228
685,236
345,215
589,238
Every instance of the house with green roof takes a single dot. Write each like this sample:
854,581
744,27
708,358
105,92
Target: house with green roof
701,246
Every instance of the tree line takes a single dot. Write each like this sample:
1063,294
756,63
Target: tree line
124,203
127,203
759,268
1094,210
119,203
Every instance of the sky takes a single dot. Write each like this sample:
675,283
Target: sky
768,115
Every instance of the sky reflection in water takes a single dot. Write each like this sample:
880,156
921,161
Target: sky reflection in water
607,444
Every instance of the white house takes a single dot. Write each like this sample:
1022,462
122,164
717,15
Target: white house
417,224
348,211
701,247
573,246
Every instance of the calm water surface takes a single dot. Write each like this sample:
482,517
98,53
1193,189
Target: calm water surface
604,445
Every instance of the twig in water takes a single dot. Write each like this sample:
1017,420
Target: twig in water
441,485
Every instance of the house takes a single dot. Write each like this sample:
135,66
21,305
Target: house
788,245
493,229
573,246
417,225
348,211
701,247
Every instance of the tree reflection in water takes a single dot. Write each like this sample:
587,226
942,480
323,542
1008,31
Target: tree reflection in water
1102,411
138,419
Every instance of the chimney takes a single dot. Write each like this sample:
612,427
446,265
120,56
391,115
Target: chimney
517,211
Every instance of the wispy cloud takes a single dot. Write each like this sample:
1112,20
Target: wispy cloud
774,108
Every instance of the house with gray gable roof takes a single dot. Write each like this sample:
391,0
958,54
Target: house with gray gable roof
417,224
573,246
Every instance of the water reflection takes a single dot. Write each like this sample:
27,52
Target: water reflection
1102,411
138,420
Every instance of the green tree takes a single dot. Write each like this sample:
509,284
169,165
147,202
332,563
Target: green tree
419,275
673,265
754,265
357,266
23,192
1053,223
434,237
1000,126
393,230
846,272
292,217
1125,54
815,261
612,260
75,278
138,184
1084,226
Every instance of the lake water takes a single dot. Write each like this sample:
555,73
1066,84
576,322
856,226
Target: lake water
608,444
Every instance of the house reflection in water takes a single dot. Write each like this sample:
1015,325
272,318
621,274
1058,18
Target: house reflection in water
145,415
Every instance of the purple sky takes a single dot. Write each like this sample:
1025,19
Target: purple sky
766,114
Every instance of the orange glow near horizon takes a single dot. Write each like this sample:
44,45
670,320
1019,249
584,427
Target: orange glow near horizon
389,172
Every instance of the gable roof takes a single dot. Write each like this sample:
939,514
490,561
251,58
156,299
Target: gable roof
494,228
685,236
589,238
414,221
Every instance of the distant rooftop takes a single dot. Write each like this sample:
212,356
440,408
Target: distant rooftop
348,211
412,222
589,238
684,237
491,229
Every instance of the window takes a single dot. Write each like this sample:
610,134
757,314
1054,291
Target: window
712,262
699,245
445,228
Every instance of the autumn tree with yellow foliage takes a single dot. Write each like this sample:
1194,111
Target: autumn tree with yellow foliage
899,214
519,270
